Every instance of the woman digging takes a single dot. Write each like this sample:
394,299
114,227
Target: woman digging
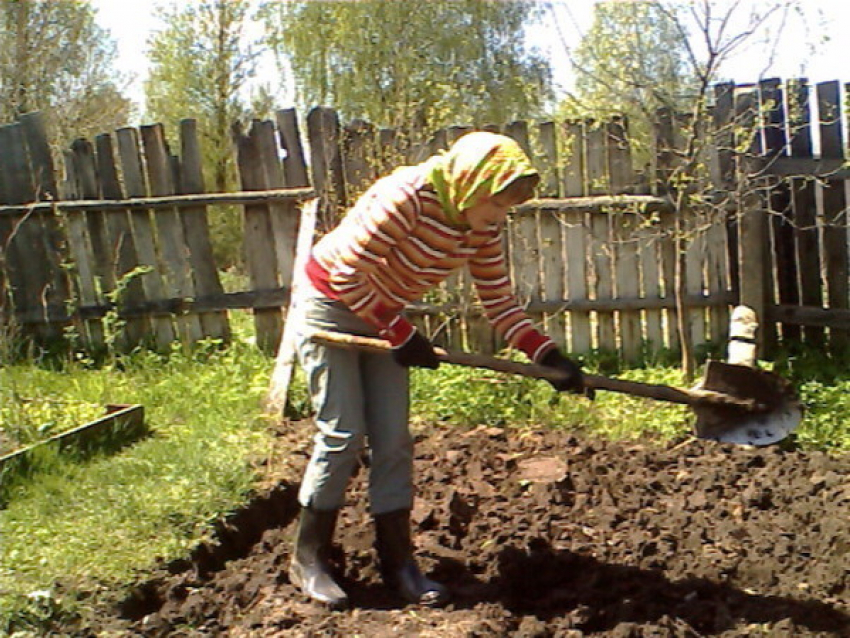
405,235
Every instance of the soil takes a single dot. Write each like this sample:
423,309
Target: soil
544,534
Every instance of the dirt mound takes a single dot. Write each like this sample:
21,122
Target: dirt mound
546,534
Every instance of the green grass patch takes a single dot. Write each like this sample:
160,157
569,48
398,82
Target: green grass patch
98,524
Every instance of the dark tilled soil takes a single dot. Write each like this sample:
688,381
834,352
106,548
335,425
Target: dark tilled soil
547,534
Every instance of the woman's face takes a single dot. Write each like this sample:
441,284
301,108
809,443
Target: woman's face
490,210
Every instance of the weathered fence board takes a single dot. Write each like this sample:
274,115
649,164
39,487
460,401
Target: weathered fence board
594,270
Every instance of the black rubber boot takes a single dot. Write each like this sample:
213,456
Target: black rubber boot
398,567
310,569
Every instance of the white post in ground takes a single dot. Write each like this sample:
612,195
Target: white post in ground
743,346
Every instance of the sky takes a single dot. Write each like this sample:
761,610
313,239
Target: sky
816,46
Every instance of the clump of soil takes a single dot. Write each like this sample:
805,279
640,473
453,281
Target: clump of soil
548,534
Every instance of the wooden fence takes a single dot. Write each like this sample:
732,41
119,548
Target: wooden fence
124,232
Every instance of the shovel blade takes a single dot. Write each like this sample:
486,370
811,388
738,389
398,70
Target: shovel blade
782,411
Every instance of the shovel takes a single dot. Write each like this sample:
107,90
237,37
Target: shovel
733,403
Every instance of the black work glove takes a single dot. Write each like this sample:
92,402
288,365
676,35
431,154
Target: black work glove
574,379
417,351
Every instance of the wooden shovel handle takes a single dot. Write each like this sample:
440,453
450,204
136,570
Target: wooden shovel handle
597,382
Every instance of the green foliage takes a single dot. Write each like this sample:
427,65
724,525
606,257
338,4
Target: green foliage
415,66
632,61
55,59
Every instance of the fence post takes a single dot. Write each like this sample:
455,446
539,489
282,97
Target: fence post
834,209
259,238
805,208
753,254
197,231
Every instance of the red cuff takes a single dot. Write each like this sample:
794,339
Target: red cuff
535,345
398,331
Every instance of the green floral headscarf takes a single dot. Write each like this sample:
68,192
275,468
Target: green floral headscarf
477,165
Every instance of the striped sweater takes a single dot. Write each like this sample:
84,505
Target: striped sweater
396,243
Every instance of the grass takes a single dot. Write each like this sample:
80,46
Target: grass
96,524
80,529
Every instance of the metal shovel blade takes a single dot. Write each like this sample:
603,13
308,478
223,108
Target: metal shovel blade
780,415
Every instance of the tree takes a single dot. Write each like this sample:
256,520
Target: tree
631,62
201,64
55,59
410,65
704,34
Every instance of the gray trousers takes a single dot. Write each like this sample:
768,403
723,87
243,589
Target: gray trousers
357,397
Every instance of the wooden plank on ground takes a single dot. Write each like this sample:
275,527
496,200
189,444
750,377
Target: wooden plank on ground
197,231
259,236
627,276
142,227
123,258
172,240
577,260
834,210
804,202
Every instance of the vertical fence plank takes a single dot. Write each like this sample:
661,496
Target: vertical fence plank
553,267
622,176
525,259
326,164
804,201
22,235
46,189
577,244
197,231
123,258
668,251
259,237
294,165
724,171
172,240
143,231
602,255
597,160
574,141
834,209
756,280
284,216
782,223
627,279
549,184
358,158
519,131
650,259
717,280
694,274
83,280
